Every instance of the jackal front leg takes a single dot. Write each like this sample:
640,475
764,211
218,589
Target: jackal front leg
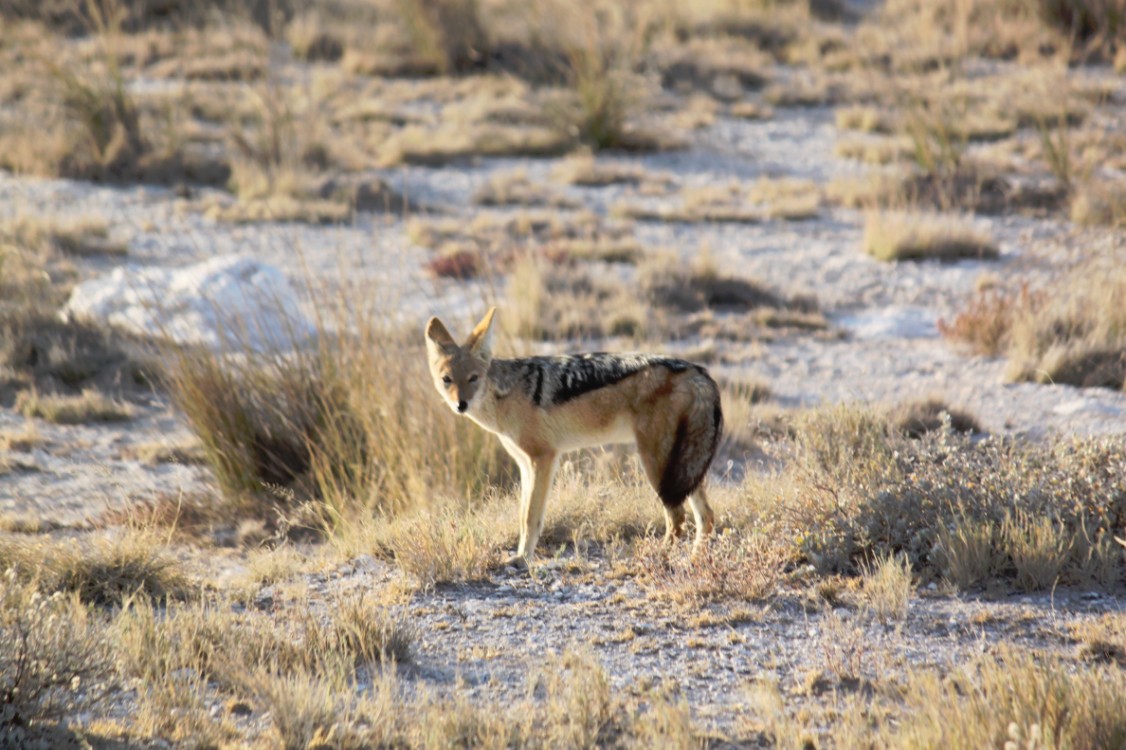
534,499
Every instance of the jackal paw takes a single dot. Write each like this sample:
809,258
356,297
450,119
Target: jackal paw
519,562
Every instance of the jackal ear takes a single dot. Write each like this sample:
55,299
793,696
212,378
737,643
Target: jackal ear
437,335
480,342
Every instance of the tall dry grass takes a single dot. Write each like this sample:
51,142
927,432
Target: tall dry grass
350,422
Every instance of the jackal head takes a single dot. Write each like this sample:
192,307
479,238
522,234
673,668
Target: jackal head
459,371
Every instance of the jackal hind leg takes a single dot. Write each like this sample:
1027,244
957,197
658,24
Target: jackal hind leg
674,523
647,451
703,515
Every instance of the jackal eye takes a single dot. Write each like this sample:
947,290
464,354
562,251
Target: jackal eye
447,379
472,378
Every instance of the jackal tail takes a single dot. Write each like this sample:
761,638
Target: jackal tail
698,432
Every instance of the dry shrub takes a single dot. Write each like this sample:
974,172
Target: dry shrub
984,321
859,491
873,150
863,118
312,40
579,703
698,300
899,236
188,657
251,417
283,147
916,418
844,648
174,656
82,120
36,347
723,66
54,657
791,199
76,16
731,566
586,171
449,142
688,290
787,199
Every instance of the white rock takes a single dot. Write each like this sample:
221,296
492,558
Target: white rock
231,301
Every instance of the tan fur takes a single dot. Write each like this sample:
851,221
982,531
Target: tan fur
645,407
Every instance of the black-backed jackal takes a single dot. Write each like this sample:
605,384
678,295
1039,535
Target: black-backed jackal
541,407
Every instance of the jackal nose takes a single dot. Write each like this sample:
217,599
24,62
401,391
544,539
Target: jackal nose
462,406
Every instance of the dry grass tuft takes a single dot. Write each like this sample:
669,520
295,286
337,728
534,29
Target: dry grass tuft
1039,548
788,199
439,544
869,150
88,236
865,119
90,406
1012,698
449,34
969,552
1070,333
604,92
888,586
553,302
498,241
515,189
587,171
1102,639
305,426
105,572
1100,203
898,236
